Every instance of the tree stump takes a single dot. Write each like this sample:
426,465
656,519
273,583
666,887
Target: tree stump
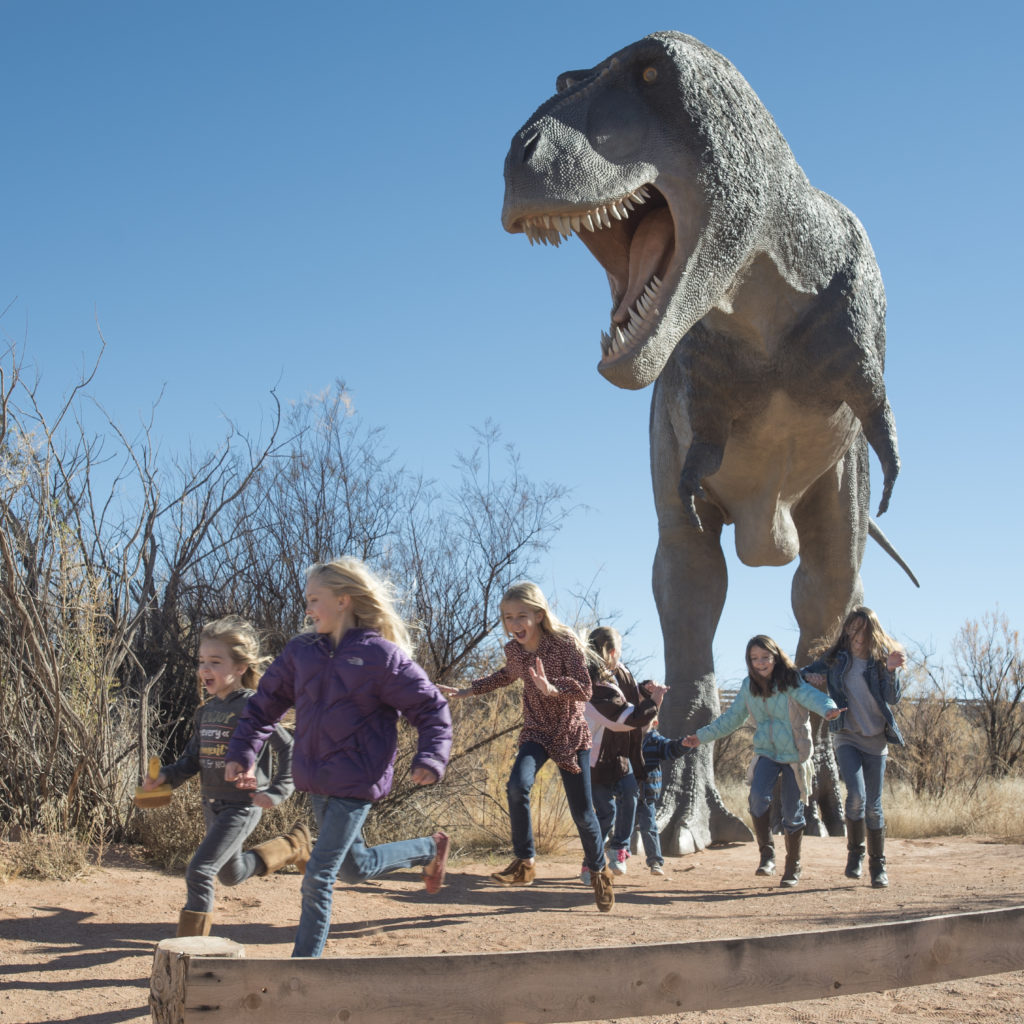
168,982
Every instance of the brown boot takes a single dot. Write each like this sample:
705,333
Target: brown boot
604,892
766,846
192,922
294,848
517,873
792,873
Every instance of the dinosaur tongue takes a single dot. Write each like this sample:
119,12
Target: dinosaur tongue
649,254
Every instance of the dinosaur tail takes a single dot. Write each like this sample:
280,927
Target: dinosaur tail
883,542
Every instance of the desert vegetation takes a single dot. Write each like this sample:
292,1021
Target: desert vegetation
112,557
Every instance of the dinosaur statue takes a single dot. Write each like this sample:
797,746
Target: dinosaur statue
754,305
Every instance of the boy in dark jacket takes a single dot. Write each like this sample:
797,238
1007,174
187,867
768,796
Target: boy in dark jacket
656,748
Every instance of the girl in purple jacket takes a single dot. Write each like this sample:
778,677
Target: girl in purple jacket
348,680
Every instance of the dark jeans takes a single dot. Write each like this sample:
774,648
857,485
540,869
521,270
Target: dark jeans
530,759
615,807
646,823
863,774
220,853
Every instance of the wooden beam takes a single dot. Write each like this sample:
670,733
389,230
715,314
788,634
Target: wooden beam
595,984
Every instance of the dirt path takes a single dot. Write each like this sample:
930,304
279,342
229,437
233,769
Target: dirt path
81,951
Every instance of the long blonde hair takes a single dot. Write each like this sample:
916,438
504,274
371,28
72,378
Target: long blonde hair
533,597
879,642
373,598
243,644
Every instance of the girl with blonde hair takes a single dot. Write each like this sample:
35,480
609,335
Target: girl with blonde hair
229,668
549,658
860,663
349,679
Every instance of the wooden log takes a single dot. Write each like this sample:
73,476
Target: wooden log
596,984
173,962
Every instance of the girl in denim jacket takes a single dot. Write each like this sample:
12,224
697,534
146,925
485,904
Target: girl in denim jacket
766,695
861,665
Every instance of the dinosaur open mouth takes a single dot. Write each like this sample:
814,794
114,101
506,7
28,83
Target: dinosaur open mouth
633,238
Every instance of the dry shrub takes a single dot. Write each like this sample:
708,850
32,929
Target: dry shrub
48,851
943,750
171,834
988,806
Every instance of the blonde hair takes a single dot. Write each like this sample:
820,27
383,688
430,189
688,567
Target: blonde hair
533,597
879,642
243,644
373,598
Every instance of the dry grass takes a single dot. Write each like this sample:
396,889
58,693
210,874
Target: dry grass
991,807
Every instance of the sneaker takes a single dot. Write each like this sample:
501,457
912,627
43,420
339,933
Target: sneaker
619,863
433,873
585,874
517,873
657,869
604,892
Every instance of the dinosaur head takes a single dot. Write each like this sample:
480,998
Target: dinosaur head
659,159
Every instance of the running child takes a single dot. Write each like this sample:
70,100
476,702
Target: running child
617,712
656,748
229,669
768,694
549,659
861,664
349,679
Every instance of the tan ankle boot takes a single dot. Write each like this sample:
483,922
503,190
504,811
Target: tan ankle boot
193,922
293,848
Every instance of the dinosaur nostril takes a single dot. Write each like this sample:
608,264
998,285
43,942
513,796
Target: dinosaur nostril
529,146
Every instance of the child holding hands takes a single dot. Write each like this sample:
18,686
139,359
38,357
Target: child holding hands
765,695
549,658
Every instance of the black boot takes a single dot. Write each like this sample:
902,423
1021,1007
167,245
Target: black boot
791,875
876,858
854,848
763,835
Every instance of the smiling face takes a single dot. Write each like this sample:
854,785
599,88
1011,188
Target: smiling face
522,623
330,613
762,662
218,673
858,638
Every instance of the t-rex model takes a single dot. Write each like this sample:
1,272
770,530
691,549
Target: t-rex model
754,304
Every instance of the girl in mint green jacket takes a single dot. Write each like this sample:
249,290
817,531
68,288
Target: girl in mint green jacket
775,696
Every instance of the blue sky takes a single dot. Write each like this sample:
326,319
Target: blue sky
247,195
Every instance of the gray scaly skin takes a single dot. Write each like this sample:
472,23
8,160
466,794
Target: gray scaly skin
754,305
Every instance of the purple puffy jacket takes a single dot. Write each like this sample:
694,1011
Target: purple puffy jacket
347,703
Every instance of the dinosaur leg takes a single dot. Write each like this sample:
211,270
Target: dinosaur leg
689,589
832,522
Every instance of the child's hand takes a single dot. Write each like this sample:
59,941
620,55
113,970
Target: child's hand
831,716
262,800
897,659
148,783
539,678
243,779
451,691
656,692
816,679
424,776
691,741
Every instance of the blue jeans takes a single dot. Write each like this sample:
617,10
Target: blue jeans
339,848
220,855
863,775
616,805
646,825
529,761
766,771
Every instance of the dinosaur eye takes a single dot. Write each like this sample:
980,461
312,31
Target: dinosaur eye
650,74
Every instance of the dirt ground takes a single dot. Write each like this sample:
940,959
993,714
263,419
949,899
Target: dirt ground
81,950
